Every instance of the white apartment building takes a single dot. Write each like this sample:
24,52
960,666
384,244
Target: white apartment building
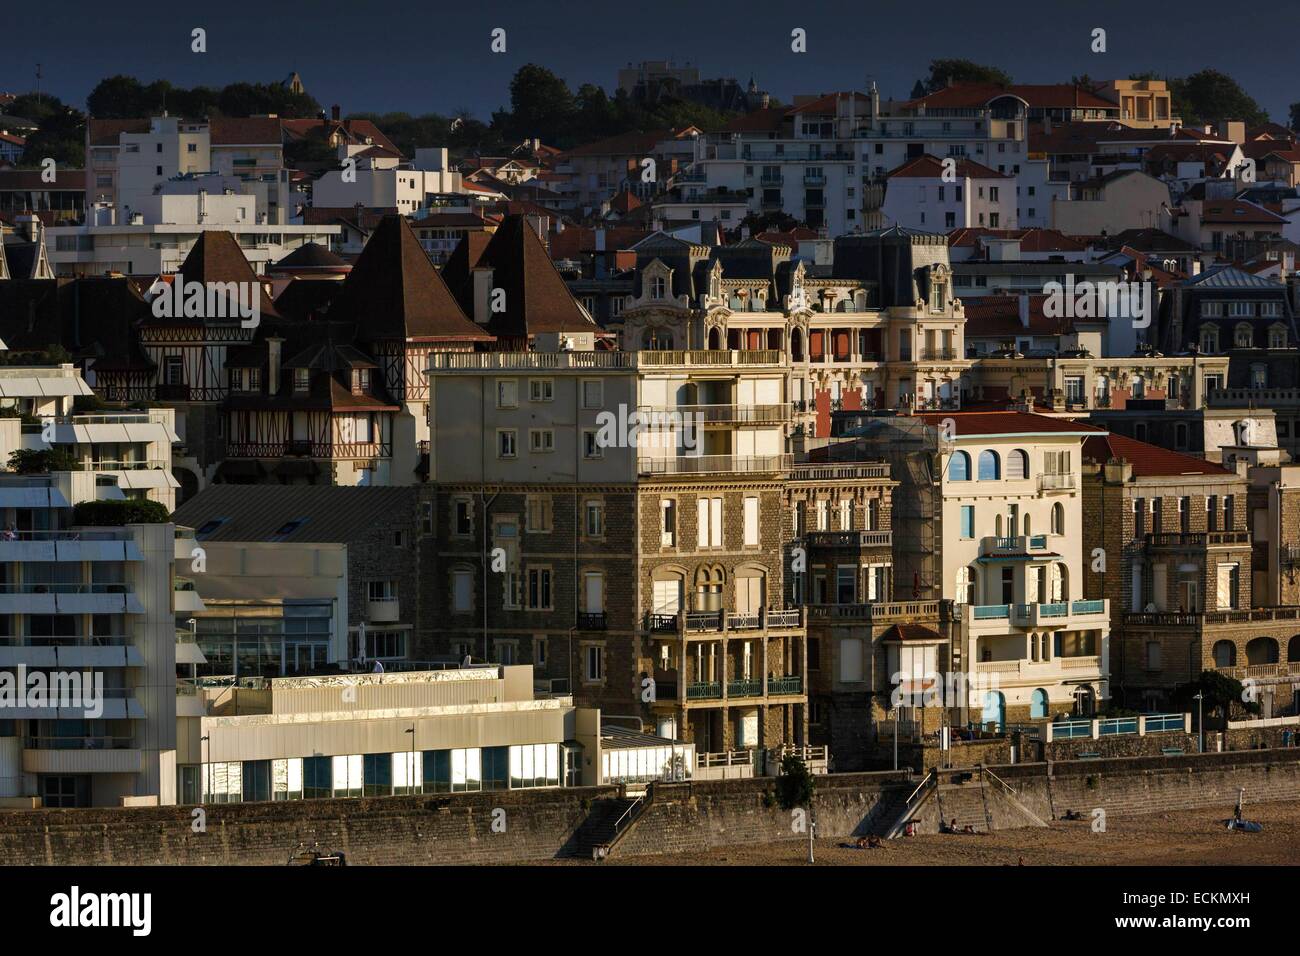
134,448
130,160
378,179
925,194
1012,560
106,245
100,604
824,159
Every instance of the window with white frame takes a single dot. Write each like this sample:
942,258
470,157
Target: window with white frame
541,440
507,393
507,442
709,522
751,522
541,389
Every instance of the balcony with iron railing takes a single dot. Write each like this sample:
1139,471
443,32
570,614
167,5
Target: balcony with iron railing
669,688
1197,540
592,621
685,623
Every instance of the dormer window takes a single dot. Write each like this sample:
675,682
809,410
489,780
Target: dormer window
658,287
301,379
360,381
938,292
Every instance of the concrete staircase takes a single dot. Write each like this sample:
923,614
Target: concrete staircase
890,811
607,822
965,802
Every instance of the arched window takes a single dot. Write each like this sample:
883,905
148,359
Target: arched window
1262,650
708,588
1243,336
1225,654
1058,518
1028,530
1038,705
990,466
1293,649
959,467
796,345
1017,465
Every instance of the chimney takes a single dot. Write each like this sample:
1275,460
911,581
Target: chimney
1023,306
334,112
273,343
482,293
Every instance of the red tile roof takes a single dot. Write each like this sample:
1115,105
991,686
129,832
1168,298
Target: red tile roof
827,103
999,315
1031,240
974,424
1037,95
911,632
1148,460
1238,210
930,167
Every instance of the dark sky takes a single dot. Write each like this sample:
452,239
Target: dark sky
427,56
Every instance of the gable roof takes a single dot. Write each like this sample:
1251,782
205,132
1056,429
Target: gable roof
395,292
931,167
217,258
1149,461
537,299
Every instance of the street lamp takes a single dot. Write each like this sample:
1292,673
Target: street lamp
1200,722
410,767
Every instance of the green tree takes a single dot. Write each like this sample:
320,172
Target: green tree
111,514
1210,95
1223,695
945,71
795,785
61,136
39,461
540,104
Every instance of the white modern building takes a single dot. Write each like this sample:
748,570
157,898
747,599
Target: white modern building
134,448
92,611
376,178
